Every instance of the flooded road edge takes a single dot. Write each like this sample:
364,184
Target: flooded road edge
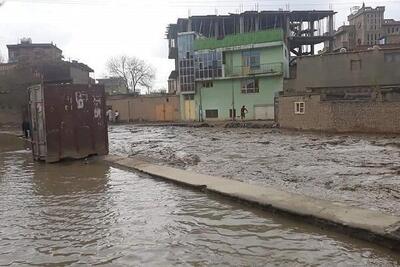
369,225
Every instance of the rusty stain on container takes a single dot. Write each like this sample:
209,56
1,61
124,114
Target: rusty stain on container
68,121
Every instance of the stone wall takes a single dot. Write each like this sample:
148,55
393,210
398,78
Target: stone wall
340,116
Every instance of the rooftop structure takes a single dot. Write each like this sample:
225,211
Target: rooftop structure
302,29
367,27
114,85
28,52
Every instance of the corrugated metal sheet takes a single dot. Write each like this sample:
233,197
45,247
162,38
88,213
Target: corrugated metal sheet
68,121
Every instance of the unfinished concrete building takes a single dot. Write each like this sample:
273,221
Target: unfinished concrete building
303,30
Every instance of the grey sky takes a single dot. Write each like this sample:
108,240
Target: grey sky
93,30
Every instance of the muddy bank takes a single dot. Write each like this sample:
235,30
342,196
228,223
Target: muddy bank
220,124
362,171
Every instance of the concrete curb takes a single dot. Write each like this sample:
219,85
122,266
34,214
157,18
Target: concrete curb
365,224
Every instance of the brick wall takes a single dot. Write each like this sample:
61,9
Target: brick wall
340,116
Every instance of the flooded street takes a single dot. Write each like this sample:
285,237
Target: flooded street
90,213
362,171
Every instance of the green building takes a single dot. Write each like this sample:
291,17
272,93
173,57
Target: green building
240,70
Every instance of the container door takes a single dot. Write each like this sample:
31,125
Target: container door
36,102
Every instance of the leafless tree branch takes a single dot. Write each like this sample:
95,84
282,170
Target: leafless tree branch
135,72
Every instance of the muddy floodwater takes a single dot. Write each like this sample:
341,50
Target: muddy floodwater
86,212
362,171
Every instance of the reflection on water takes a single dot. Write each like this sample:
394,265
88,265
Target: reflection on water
90,213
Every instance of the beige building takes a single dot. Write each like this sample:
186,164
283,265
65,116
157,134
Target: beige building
368,23
345,92
31,64
28,52
345,37
145,108
391,32
114,85
367,27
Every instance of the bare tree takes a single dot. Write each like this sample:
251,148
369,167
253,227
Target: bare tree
135,72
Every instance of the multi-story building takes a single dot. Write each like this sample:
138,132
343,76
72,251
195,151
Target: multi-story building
28,52
368,23
239,70
367,27
301,32
30,64
345,37
114,85
391,32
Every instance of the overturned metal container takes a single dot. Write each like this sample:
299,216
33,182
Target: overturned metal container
68,121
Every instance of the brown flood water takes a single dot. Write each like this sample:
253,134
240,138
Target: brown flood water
90,213
363,171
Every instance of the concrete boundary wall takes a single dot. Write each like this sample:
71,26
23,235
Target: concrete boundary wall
149,108
365,224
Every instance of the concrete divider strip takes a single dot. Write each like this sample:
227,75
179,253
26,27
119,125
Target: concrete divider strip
362,223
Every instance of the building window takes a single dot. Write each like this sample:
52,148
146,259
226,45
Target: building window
299,107
186,62
251,59
250,86
188,97
392,57
212,113
208,65
355,65
207,84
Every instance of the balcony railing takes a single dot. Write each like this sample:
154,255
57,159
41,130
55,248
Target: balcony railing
262,69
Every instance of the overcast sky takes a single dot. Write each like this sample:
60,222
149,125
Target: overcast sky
91,31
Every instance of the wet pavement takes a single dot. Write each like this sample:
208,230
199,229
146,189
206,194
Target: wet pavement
362,171
85,212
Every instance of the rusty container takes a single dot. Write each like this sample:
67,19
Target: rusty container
68,121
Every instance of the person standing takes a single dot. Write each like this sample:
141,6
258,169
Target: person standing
243,112
110,115
26,128
116,116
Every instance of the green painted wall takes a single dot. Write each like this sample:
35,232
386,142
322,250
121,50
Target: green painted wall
272,54
240,39
223,91
228,91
